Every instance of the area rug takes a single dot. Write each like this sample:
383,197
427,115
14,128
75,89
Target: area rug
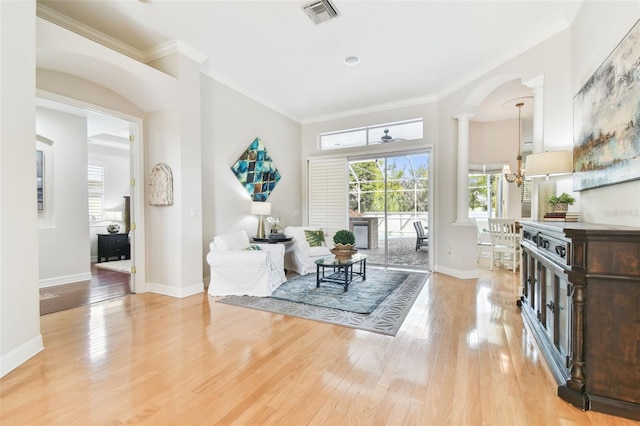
116,265
362,298
386,318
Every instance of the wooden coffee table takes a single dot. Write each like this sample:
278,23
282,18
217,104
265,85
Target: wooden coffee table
341,271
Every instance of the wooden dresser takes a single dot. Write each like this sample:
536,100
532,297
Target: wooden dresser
581,299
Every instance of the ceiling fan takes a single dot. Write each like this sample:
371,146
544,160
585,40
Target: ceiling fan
388,138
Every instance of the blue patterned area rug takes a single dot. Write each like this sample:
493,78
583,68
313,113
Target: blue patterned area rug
387,296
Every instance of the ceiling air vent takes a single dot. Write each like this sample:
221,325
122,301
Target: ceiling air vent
321,11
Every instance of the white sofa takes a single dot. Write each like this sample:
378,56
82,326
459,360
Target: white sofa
237,271
299,255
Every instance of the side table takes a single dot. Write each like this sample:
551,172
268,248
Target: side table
113,247
271,240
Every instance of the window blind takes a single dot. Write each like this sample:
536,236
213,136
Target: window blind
328,201
95,175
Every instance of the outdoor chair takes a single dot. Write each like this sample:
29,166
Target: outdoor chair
422,237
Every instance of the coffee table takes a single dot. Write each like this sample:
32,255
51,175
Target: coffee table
341,271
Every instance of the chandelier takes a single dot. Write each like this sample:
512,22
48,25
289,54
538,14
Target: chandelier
518,176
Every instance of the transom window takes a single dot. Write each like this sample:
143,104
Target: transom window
372,135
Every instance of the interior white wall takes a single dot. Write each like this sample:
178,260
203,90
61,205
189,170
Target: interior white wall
64,247
497,142
427,111
231,121
170,107
596,31
117,177
455,249
20,337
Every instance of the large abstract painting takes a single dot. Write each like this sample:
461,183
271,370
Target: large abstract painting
256,171
606,122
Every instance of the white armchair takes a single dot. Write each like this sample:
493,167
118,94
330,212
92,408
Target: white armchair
299,255
238,271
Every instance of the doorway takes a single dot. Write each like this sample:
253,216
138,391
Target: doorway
108,158
388,206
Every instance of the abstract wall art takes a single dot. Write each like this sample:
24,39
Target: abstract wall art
606,120
256,171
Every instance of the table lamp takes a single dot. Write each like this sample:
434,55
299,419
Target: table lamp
550,163
262,209
113,216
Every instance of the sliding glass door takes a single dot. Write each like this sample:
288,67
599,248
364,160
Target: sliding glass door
389,208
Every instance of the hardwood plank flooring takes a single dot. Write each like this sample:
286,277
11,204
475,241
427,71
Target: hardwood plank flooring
103,285
462,357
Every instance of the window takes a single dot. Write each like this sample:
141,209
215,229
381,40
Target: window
95,179
372,135
485,191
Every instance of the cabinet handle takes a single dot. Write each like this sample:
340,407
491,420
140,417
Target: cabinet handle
561,251
551,306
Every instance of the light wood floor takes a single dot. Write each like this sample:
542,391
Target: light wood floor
461,357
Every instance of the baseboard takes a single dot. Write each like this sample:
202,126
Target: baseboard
66,279
179,292
20,355
462,275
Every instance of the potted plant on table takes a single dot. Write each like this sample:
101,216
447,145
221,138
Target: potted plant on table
344,241
560,203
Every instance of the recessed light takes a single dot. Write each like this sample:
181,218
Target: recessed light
352,60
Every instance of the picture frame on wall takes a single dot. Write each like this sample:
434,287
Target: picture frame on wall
40,179
606,119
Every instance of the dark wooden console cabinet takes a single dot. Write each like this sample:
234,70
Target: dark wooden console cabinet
113,247
581,299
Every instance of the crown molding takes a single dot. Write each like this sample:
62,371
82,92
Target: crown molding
171,47
371,109
59,19
209,73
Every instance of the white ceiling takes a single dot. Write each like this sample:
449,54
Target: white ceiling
410,51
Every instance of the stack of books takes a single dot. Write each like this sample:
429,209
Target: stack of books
572,216
554,217
561,217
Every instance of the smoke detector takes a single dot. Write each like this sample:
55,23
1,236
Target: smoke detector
321,11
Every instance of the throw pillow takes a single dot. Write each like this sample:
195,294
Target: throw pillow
314,238
253,247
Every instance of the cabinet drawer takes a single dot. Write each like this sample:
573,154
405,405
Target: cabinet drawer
556,249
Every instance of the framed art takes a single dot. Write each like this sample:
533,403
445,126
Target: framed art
606,120
40,179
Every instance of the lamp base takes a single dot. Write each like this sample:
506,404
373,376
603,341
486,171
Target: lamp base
260,233
546,189
114,228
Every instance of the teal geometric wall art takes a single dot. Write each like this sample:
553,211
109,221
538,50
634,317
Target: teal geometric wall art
256,171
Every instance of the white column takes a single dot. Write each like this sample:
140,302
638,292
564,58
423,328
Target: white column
539,197
537,84
463,167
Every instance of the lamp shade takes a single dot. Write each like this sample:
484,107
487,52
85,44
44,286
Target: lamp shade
260,208
113,215
549,163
